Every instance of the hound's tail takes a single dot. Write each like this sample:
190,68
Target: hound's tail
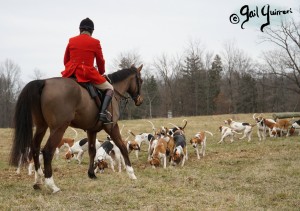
130,132
210,133
122,129
76,134
28,103
184,124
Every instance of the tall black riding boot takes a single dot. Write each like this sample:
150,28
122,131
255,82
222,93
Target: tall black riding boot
105,116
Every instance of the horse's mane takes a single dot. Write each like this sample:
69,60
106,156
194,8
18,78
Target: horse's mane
121,75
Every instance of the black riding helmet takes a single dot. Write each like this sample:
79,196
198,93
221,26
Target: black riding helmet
86,24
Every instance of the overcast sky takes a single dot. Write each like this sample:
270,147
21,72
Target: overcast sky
34,33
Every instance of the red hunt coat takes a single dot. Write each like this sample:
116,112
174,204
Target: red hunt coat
79,59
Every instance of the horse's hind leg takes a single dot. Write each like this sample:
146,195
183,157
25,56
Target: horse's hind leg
48,151
35,152
92,153
116,137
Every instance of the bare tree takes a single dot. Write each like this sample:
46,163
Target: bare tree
123,61
236,63
10,86
38,74
126,59
164,67
284,60
230,56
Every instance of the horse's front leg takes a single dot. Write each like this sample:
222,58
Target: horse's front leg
92,153
114,133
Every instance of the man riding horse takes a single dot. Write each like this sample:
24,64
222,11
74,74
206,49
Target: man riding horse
60,102
79,62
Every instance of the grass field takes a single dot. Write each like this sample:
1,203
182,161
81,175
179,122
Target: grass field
232,176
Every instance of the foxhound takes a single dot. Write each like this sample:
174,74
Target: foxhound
67,142
180,151
226,132
108,151
239,127
140,138
281,126
159,153
263,126
200,138
295,126
79,148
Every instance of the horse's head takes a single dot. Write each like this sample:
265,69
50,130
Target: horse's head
136,86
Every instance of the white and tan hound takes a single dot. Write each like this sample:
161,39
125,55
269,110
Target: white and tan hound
65,142
240,127
226,132
200,139
159,153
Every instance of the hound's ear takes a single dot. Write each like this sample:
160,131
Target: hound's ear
140,68
191,141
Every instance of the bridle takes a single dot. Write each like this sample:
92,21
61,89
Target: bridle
135,96
138,93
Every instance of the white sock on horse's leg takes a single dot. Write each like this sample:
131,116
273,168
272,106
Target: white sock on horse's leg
50,183
130,172
30,168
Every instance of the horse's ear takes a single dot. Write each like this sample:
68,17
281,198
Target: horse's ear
140,68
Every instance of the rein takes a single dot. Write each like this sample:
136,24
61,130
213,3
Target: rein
123,97
133,97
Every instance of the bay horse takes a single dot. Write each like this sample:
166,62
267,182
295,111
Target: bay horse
57,103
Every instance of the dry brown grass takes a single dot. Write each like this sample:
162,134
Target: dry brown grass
239,176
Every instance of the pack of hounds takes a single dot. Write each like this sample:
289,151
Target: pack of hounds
169,144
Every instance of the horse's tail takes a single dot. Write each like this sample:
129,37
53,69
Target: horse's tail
29,102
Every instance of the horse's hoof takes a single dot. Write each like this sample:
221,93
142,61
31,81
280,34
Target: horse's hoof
130,172
133,177
56,190
92,175
36,187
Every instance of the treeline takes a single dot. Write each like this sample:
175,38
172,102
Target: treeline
190,88
199,82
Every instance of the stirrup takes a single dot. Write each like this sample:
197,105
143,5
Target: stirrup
103,117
